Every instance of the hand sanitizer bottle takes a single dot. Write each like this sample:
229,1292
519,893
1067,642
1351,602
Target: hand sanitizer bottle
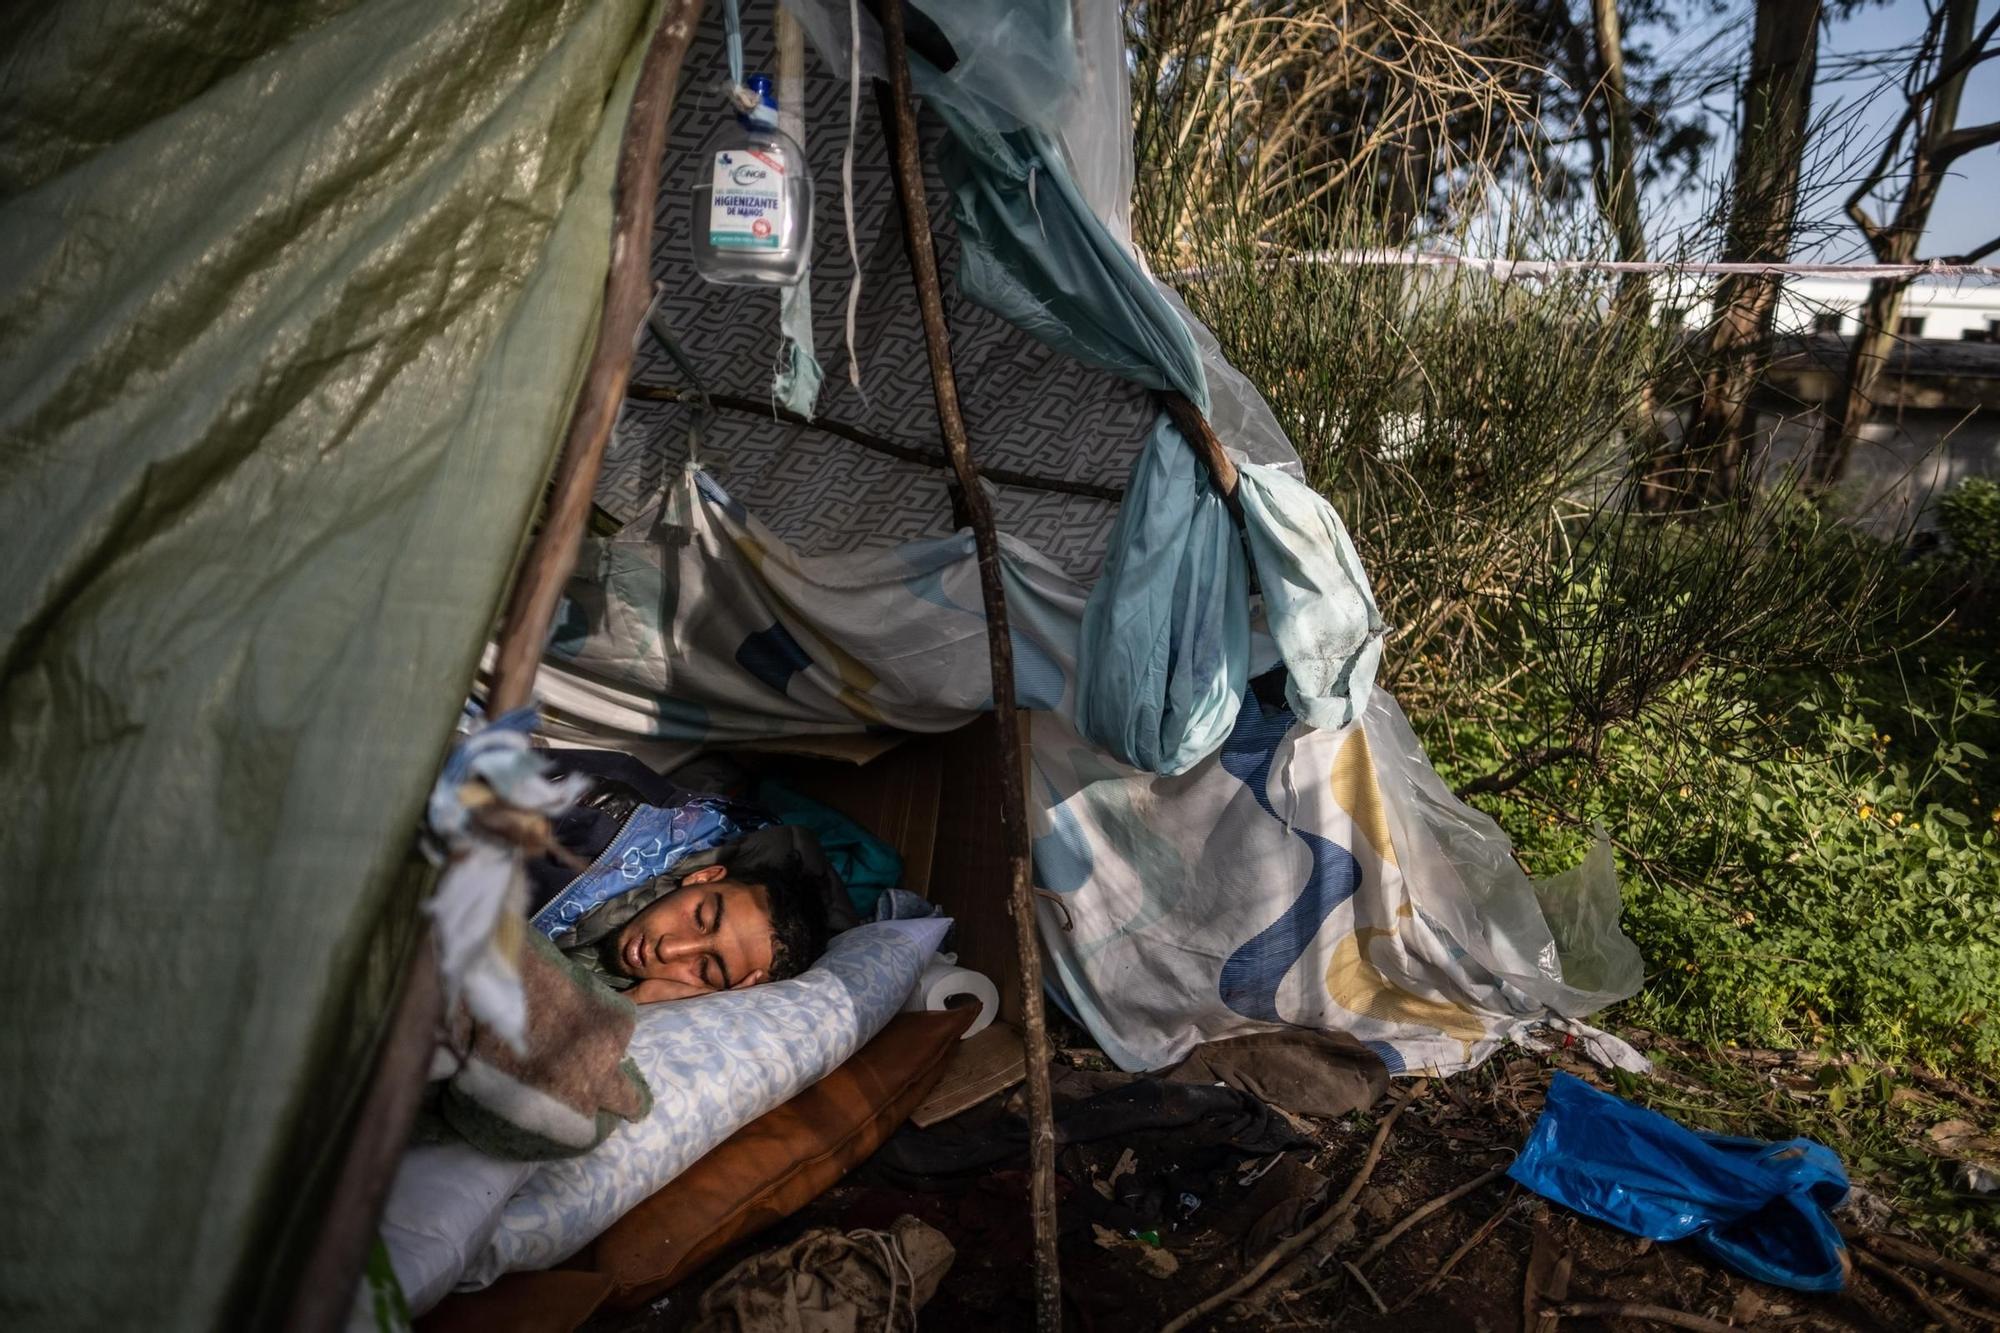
752,223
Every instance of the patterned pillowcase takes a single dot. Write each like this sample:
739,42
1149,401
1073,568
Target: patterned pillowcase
714,1064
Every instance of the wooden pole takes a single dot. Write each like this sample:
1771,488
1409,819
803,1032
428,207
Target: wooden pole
1202,439
627,292
325,1293
908,162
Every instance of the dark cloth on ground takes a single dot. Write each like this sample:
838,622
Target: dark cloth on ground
1181,1139
1307,1072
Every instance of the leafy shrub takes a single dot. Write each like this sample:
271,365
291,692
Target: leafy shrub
1827,873
1969,513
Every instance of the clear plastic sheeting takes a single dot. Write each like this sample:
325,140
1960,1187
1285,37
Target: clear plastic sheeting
1555,943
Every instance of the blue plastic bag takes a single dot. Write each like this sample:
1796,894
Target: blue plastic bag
1761,1208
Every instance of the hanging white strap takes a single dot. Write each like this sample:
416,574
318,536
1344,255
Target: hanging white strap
847,185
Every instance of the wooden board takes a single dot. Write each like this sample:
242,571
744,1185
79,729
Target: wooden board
981,1065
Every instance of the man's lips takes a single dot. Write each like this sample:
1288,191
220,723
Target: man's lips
633,955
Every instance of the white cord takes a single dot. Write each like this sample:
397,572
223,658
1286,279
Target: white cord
1529,268
847,185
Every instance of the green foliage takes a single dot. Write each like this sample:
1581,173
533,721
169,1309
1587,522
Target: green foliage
1824,869
1969,513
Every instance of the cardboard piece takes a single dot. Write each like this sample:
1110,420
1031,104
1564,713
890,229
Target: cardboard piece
936,800
983,1064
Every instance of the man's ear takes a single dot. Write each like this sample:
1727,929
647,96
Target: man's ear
756,977
705,875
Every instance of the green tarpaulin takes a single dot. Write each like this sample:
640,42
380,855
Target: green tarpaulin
293,300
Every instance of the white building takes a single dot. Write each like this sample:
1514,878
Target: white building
1949,310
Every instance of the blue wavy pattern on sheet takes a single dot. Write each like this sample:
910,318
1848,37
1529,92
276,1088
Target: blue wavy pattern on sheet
1250,978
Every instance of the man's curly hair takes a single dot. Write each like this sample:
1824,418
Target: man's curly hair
797,898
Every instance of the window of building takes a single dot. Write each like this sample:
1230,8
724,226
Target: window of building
1910,326
1827,321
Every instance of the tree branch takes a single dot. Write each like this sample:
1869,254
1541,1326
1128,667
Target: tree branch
1524,768
1960,142
1974,256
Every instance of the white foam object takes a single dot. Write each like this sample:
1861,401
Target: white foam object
943,982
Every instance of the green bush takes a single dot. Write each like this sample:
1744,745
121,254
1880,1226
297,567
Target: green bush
1823,874
1969,513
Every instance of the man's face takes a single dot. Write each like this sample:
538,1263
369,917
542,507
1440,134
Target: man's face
712,933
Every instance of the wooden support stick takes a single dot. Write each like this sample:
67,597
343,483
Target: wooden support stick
933,458
1657,1314
1908,1252
1389,1237
1472,1242
1202,438
538,586
909,170
1909,1286
325,1294
1312,1231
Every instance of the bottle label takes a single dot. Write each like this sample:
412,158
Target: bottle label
746,209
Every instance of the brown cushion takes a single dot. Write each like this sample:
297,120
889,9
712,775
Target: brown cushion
556,1300
763,1173
780,1162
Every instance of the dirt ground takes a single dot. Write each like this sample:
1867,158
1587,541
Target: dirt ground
1463,1267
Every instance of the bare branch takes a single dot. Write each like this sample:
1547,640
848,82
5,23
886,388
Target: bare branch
1972,256
1968,140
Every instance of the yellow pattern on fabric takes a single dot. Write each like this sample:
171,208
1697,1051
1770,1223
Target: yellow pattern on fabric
1357,985
1358,794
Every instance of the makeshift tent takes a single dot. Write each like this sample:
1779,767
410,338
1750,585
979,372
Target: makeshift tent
295,303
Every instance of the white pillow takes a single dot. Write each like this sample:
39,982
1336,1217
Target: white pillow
441,1212
714,1064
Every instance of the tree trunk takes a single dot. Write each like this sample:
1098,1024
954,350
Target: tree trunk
1854,406
1618,186
1770,149
1618,198
1894,243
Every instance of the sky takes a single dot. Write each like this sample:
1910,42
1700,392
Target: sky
1855,101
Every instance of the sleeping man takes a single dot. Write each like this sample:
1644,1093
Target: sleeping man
753,909
755,913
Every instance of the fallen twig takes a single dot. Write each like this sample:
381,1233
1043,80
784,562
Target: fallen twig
1658,1314
1388,1238
1908,1252
1910,1287
1291,1245
1472,1242
1366,1286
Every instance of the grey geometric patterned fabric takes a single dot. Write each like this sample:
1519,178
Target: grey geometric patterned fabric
1027,406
